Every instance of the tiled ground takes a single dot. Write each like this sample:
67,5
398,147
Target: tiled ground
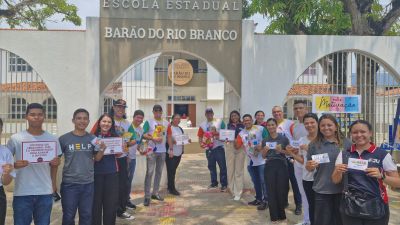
198,205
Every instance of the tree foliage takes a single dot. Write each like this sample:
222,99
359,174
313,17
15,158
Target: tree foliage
339,17
35,13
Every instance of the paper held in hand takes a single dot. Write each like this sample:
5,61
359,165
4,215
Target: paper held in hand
227,135
39,151
114,145
357,164
321,158
295,144
182,139
271,145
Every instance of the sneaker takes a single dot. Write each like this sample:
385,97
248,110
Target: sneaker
297,211
146,202
174,192
212,186
262,206
236,198
126,216
223,189
255,203
130,205
157,197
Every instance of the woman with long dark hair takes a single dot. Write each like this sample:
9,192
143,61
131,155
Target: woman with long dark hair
259,118
368,183
235,158
321,156
105,175
276,172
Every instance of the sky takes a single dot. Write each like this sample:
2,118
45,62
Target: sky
90,8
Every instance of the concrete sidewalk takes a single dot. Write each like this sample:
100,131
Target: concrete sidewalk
199,205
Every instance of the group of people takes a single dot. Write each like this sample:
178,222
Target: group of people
334,179
325,169
96,180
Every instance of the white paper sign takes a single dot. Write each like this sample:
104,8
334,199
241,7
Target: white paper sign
357,164
39,151
295,144
114,145
321,158
271,145
227,135
182,139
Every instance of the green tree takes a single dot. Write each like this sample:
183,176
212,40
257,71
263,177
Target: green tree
35,13
329,17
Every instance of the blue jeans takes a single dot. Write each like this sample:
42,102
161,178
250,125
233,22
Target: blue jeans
131,173
77,197
36,206
258,179
214,156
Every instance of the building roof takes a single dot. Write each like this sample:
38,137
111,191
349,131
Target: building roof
310,89
24,87
390,92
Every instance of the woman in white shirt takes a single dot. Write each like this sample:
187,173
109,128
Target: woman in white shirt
175,152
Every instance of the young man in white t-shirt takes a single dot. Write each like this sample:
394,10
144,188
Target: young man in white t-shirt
155,131
35,181
216,153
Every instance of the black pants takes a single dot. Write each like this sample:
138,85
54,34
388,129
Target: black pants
105,199
327,209
293,184
172,164
347,220
3,206
307,185
277,181
123,181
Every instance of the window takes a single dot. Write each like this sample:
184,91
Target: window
107,105
182,98
17,64
18,108
50,107
138,72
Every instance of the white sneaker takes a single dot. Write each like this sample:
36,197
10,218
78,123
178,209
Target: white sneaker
126,216
236,198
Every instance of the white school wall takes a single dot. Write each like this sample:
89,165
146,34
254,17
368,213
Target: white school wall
271,63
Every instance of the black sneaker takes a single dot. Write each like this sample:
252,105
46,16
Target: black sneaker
146,202
174,192
263,206
297,211
255,202
130,205
223,189
212,186
157,197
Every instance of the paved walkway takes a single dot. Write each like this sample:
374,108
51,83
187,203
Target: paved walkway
198,205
